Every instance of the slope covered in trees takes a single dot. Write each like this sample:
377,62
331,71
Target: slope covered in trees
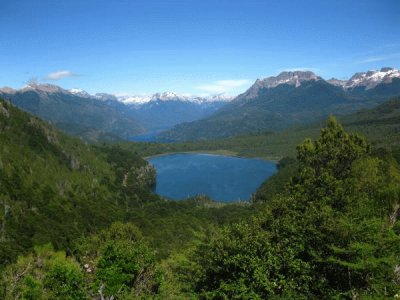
330,228
54,187
332,232
60,200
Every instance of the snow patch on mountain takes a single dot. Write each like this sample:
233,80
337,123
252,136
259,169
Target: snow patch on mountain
368,79
80,92
170,96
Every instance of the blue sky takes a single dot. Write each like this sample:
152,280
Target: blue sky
190,46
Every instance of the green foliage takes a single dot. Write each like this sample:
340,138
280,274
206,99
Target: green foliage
134,176
325,226
119,263
242,263
287,168
124,266
54,187
328,234
43,275
64,279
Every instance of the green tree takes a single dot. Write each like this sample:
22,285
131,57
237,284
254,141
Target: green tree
329,234
43,275
118,262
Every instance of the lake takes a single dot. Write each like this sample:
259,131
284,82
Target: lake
222,178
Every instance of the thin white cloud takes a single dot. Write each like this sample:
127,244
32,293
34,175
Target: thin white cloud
57,75
223,86
378,58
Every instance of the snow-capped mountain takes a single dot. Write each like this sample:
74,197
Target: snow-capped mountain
290,98
171,96
80,93
105,97
272,103
288,77
164,110
152,112
368,79
139,100
295,78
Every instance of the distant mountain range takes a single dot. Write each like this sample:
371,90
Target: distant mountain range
298,97
108,117
139,100
273,103
162,111
89,118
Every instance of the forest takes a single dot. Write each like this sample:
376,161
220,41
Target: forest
80,221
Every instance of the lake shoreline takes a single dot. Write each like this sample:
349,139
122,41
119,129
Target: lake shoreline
213,152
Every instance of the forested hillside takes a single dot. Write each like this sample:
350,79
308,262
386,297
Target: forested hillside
84,224
55,191
53,187
331,232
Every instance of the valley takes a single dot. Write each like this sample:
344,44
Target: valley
203,150
50,181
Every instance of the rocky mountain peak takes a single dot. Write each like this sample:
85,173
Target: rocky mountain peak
295,78
7,90
46,88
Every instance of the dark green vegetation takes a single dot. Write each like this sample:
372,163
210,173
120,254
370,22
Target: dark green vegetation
325,226
54,187
277,108
91,119
332,232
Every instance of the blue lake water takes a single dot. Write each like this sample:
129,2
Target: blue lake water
223,178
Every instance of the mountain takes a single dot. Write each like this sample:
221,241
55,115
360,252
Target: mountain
380,124
53,187
368,80
291,98
139,100
163,111
74,112
109,117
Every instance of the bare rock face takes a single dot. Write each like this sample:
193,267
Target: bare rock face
47,132
7,90
295,78
4,111
44,88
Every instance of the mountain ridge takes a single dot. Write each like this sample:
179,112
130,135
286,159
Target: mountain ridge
300,97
